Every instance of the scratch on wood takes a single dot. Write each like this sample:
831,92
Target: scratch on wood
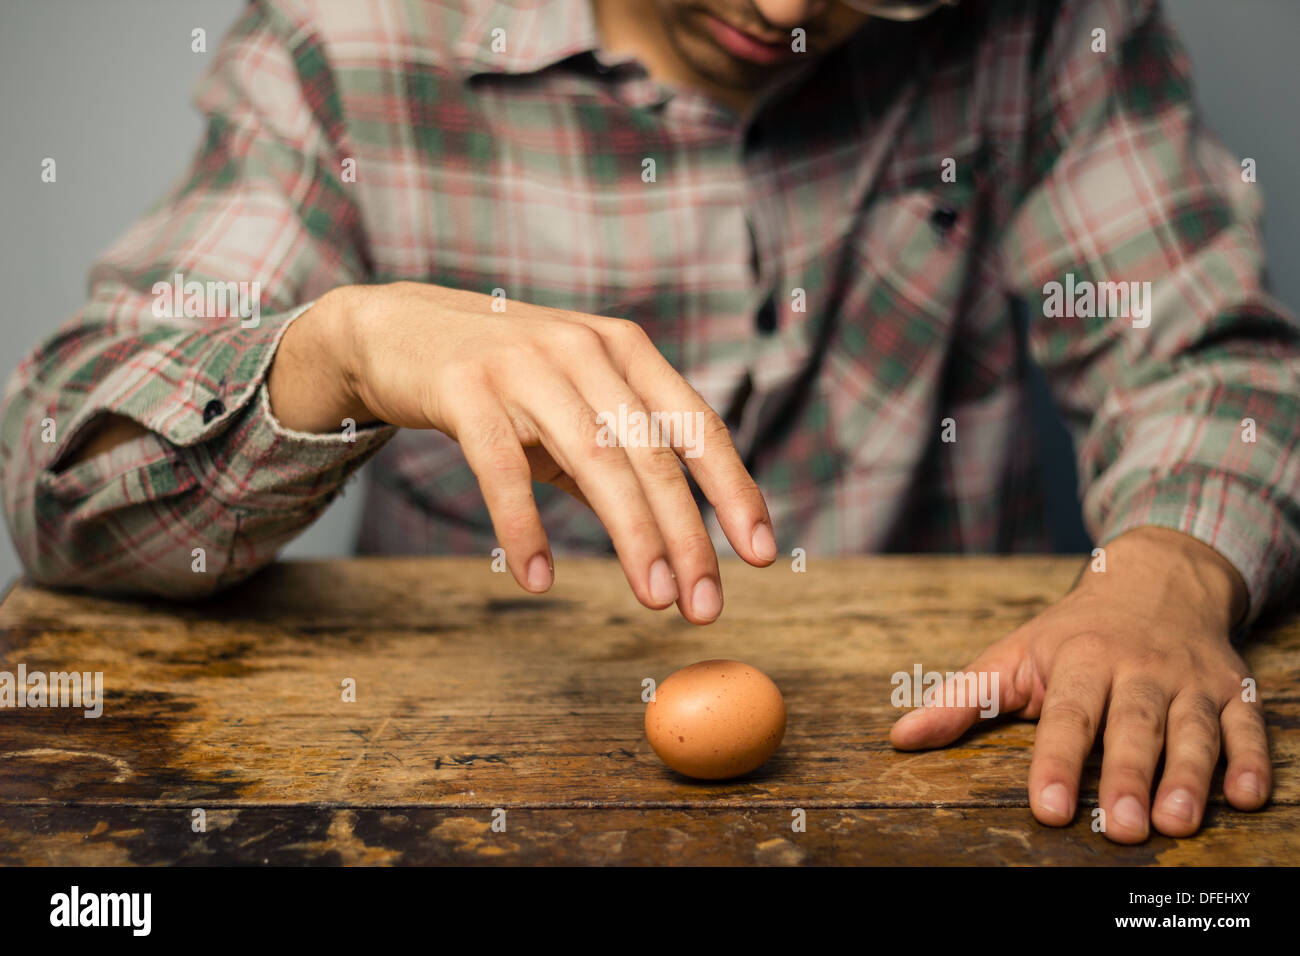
38,753
1014,834
352,764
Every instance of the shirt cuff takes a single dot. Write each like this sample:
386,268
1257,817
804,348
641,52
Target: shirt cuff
186,383
263,433
277,462
205,394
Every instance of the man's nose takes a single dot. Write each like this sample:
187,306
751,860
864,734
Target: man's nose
789,13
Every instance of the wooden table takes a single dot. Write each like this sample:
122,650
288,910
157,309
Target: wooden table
472,697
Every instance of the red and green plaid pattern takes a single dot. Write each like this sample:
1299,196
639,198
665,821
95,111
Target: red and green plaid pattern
814,259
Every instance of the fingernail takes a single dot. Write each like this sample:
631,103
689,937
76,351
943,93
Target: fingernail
1055,799
763,542
539,573
706,601
1129,813
663,586
1179,804
1250,783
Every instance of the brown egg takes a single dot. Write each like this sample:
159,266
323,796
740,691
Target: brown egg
715,719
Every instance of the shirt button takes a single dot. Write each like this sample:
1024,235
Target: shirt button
212,410
767,316
943,218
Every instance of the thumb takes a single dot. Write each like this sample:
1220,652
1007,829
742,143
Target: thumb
987,687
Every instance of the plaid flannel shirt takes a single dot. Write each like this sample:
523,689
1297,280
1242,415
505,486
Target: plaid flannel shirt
817,271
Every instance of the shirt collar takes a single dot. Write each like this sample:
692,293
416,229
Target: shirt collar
537,34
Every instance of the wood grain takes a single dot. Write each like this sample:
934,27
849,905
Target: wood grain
472,695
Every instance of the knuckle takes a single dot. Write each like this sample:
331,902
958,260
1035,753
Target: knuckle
1236,681
1250,718
518,523
627,332
1128,770
1084,646
1195,750
600,455
643,528
1070,715
502,461
588,423
714,428
1202,713
496,441
746,493
1200,750
1141,702
693,542
662,464
575,337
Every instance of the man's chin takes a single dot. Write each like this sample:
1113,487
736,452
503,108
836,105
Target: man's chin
745,79
726,71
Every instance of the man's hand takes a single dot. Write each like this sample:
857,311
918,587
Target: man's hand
1140,654
520,391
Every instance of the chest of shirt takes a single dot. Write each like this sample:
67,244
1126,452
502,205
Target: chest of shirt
749,254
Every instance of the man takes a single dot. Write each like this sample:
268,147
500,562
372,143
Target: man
480,230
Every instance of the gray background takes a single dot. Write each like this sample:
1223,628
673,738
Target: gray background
103,86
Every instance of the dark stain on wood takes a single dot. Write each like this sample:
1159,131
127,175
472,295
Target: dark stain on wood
429,836
527,605
214,658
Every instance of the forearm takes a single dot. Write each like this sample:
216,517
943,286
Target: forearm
108,433
215,474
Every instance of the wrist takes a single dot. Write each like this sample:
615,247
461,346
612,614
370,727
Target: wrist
1176,566
339,321
312,379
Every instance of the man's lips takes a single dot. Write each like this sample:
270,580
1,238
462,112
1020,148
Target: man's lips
746,46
